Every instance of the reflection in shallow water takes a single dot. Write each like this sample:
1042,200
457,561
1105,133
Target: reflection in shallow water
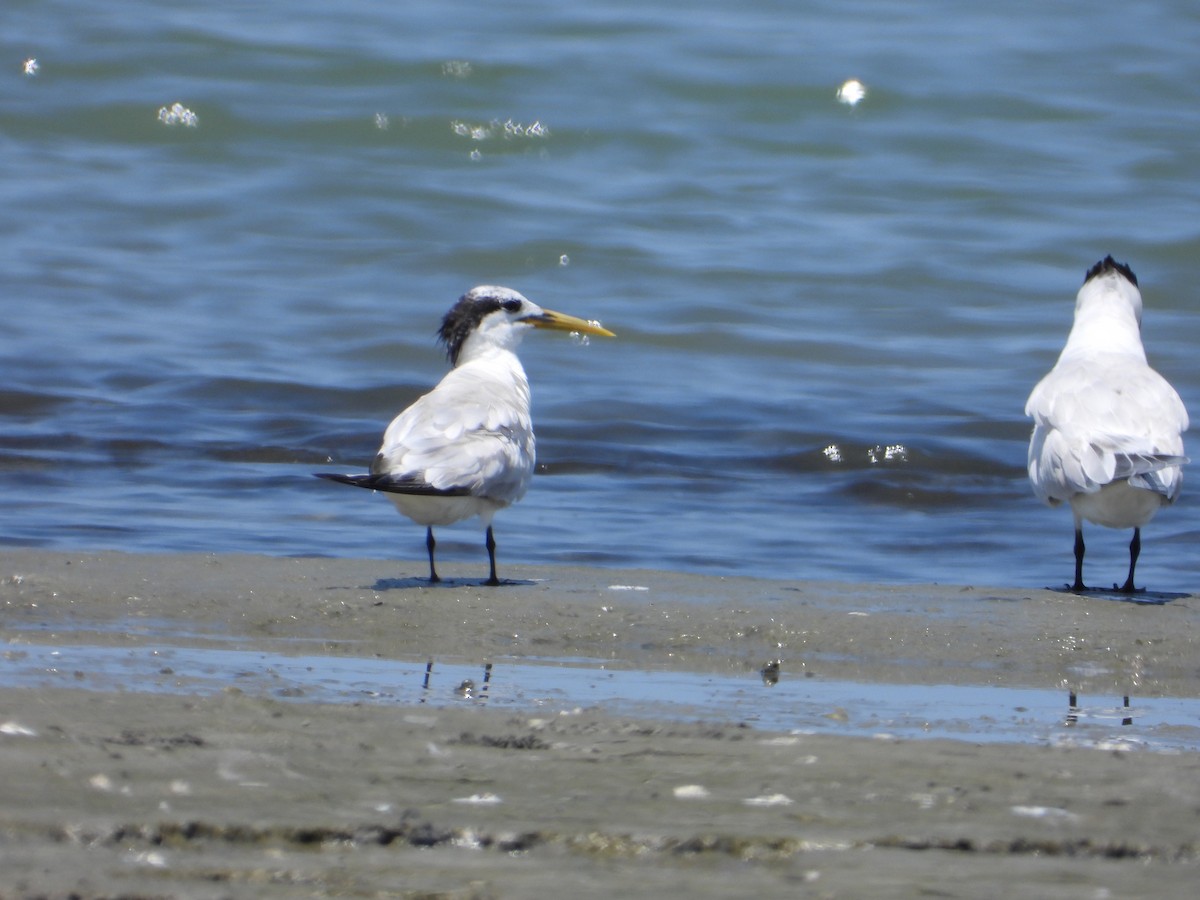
765,699
1075,711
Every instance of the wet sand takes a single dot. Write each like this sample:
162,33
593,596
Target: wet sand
246,793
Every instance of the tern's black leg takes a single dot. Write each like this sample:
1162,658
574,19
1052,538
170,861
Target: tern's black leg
1079,548
1135,550
491,547
430,543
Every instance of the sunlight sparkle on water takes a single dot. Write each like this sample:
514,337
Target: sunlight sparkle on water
456,68
178,114
508,129
891,453
852,92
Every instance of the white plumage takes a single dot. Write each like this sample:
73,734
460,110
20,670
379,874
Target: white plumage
467,448
1108,429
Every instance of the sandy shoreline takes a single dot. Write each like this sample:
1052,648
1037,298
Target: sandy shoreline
242,794
641,619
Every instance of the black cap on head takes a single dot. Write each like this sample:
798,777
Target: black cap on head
472,308
1108,264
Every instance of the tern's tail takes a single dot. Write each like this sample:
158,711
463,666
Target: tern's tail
1157,472
1131,465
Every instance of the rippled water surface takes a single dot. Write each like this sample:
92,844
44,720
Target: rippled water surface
829,316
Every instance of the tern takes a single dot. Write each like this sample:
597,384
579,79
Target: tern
1108,429
467,448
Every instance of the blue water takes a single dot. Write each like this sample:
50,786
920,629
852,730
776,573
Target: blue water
196,318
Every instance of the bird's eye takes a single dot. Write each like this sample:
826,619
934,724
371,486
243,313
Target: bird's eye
511,305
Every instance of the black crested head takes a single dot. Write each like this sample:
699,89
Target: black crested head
1108,264
471,309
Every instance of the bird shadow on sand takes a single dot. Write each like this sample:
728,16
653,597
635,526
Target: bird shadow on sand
1141,597
400,584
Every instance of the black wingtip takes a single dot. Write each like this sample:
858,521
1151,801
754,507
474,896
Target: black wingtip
393,485
1108,264
356,480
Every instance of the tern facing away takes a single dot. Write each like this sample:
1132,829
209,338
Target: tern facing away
1108,429
466,448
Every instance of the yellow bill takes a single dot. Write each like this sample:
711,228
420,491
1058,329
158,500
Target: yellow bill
562,322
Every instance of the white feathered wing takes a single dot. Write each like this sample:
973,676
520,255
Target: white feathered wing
1091,429
470,439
